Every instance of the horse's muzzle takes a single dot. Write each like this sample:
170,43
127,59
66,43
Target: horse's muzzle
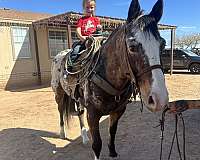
155,103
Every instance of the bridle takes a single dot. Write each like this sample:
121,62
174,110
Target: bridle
136,77
148,69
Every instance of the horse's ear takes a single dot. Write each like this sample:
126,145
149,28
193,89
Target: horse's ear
134,10
157,10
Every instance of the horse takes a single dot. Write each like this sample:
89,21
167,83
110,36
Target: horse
129,57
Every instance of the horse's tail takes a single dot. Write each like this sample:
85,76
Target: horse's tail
69,107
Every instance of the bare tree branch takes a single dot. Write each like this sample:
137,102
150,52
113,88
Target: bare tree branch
189,41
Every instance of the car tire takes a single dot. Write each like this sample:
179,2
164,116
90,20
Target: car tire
166,70
194,68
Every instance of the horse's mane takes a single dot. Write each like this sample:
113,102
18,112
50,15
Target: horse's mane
148,24
119,28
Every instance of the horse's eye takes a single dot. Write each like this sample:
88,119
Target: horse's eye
134,48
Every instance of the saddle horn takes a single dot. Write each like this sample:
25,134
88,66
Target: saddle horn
134,10
157,10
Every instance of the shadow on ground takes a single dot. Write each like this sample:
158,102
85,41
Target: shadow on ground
136,140
27,88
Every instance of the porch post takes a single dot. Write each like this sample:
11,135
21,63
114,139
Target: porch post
69,36
172,50
37,57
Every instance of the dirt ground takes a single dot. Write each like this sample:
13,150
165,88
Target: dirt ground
29,127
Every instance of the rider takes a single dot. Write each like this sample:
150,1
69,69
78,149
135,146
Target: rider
86,26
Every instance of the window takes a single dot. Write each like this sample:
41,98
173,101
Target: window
20,41
57,42
74,36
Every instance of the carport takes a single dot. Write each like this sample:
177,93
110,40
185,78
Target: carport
173,35
68,21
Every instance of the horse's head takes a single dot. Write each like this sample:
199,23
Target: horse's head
144,44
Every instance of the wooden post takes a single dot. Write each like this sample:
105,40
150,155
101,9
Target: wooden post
37,57
69,36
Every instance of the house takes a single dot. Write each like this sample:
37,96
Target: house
29,41
17,48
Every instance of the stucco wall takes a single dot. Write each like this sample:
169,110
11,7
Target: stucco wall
44,55
44,58
15,72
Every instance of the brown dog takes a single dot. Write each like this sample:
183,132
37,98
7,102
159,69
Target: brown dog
182,105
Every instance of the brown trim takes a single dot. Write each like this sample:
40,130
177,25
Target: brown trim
69,36
70,18
54,29
13,45
37,58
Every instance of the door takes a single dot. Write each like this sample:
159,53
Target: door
180,59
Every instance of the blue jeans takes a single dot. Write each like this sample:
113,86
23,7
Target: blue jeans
76,51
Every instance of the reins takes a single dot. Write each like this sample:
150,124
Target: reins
175,135
148,69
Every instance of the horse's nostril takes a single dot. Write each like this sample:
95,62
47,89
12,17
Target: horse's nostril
151,101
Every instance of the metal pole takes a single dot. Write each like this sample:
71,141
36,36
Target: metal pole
172,50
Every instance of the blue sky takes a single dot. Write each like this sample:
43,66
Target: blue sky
183,13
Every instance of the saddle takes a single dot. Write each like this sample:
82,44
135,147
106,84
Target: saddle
76,72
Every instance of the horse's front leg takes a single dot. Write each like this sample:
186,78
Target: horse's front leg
114,118
93,122
82,124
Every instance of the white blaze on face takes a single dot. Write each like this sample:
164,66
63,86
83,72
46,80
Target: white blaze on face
152,48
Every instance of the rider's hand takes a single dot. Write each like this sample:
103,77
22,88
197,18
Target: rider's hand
99,27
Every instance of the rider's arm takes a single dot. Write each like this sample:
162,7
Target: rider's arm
98,25
80,36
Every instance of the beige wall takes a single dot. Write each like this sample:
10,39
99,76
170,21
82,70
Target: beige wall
44,55
20,72
44,58
15,72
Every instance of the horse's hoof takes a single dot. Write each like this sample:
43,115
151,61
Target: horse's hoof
113,155
96,158
62,133
84,136
62,136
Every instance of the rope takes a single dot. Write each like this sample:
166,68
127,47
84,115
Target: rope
83,78
87,67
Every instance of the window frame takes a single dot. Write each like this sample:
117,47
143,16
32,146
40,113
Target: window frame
16,57
56,30
73,31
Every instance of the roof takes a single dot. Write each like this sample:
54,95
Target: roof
70,18
165,26
10,14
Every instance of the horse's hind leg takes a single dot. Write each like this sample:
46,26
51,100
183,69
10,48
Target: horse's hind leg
59,97
82,124
114,118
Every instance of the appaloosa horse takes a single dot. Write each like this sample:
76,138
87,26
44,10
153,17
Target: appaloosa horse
130,56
